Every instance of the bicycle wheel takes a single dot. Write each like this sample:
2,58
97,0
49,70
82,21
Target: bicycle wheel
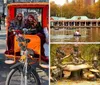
15,77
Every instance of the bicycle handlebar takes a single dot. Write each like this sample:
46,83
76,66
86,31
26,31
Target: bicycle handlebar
22,31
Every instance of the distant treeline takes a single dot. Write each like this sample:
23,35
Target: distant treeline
75,9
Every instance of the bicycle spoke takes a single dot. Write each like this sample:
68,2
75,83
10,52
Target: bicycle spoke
15,79
18,79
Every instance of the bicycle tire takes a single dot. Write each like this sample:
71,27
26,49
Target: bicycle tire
10,75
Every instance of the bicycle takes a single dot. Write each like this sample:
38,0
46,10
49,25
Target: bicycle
22,73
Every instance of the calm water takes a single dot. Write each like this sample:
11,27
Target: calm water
66,35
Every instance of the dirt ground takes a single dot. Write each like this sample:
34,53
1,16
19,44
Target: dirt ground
76,82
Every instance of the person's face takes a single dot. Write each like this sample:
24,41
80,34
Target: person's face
30,19
19,17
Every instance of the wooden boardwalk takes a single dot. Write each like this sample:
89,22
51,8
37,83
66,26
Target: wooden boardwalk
75,26
75,23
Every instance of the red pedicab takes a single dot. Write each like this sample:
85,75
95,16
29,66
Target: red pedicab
35,44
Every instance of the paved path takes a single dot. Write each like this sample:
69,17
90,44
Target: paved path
4,69
2,40
77,82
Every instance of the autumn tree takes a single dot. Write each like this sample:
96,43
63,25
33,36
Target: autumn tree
54,9
68,10
96,9
77,8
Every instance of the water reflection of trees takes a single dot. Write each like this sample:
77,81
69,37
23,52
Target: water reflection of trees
87,34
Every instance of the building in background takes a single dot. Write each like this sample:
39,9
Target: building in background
67,2
85,2
3,5
10,1
74,1
89,2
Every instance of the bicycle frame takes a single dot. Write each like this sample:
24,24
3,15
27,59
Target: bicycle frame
24,58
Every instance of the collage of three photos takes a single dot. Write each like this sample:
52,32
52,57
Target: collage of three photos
50,42
74,37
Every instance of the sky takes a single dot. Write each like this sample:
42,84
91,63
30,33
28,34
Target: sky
61,2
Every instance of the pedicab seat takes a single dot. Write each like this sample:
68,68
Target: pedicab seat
34,44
